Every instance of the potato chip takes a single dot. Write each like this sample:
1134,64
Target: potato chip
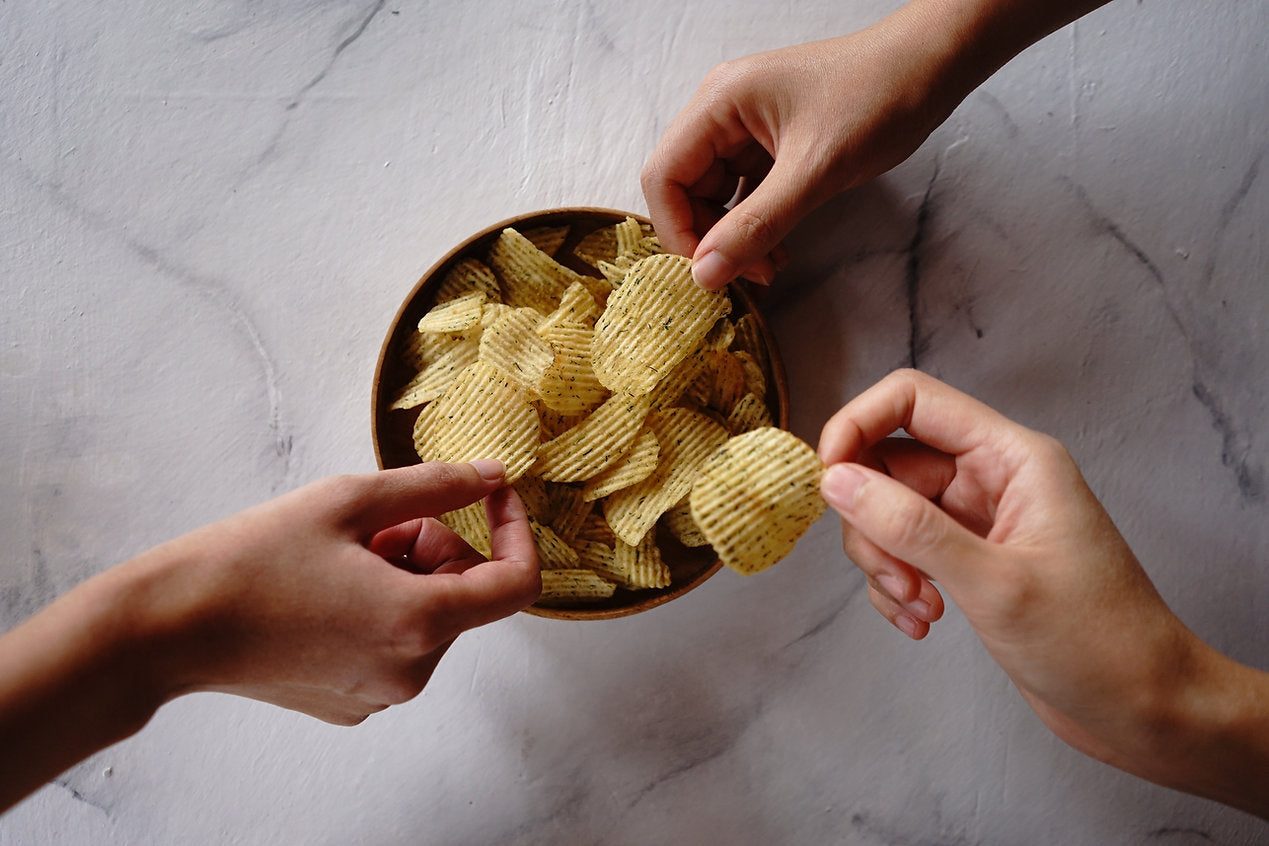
687,439
568,510
642,563
599,557
680,523
481,415
569,385
563,587
553,552
720,336
596,442
670,391
628,235
455,316
513,346
749,339
528,276
548,239
595,528
654,320
577,306
749,413
423,348
432,381
756,496
635,466
724,380
599,245
468,275
532,492
470,523
554,423
755,379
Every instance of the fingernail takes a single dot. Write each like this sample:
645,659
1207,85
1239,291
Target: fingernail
891,585
490,469
906,624
920,609
839,485
711,271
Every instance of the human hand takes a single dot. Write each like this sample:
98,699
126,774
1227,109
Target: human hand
339,598
1000,517
783,131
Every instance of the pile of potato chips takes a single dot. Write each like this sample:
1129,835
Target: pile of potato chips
617,402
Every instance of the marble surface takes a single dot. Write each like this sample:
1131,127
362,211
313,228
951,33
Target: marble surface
212,210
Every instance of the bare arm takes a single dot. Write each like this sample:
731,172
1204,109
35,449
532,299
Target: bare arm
775,134
1001,520
337,600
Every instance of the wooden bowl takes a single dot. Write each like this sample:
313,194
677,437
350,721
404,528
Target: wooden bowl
392,431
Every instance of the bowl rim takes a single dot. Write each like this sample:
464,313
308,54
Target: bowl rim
542,218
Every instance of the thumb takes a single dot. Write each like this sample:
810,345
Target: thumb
741,241
906,525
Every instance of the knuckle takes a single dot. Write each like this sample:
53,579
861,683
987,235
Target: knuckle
916,530
753,228
345,491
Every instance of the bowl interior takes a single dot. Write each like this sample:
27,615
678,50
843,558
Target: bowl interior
392,430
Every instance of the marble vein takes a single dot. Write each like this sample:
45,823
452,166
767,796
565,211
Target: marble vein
1235,437
210,289
918,342
298,99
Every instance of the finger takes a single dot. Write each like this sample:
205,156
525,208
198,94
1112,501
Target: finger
899,580
742,240
509,582
897,615
926,470
372,502
425,545
906,526
931,411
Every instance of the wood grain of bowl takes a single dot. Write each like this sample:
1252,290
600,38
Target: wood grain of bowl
392,430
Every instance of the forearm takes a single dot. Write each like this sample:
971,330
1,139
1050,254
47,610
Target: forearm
966,41
1213,740
75,678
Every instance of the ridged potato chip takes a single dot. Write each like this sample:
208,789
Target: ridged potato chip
596,442
528,276
481,415
633,467
652,322
472,525
749,413
513,346
569,385
756,496
430,382
687,439
566,586
642,563
553,552
466,276
455,316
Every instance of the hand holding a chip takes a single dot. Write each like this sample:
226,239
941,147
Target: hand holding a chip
337,600
1000,517
773,135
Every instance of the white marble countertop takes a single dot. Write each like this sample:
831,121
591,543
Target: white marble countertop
212,211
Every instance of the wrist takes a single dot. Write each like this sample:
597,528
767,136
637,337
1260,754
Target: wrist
966,41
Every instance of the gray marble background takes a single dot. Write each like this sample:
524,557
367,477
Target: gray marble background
211,211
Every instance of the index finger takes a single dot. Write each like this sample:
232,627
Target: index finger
929,410
683,156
